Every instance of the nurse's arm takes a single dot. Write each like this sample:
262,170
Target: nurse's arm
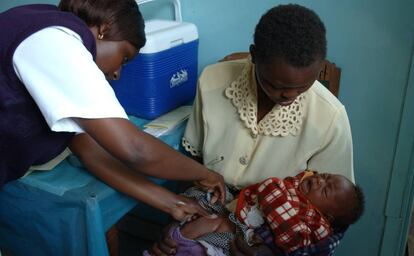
120,177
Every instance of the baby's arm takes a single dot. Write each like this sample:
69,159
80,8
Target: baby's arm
205,225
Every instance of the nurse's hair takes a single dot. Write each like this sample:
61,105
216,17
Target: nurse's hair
292,33
123,18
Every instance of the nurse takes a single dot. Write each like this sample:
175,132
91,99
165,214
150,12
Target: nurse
54,93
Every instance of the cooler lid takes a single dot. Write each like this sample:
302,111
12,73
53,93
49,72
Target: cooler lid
165,34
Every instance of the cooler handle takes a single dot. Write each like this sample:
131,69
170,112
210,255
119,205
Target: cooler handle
177,8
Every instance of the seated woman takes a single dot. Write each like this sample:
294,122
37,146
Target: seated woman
298,211
267,116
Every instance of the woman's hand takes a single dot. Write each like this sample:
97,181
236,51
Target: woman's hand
214,183
239,247
187,209
165,245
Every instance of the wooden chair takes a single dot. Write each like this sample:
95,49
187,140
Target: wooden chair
112,240
329,76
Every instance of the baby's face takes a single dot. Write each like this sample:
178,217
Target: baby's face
331,194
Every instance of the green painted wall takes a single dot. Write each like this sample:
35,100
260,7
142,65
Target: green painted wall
372,41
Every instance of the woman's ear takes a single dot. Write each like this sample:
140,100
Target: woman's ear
102,30
252,50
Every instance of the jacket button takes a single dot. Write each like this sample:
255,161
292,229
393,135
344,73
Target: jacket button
243,160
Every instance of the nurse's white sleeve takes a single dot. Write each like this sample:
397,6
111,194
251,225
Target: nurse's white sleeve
64,81
193,139
336,154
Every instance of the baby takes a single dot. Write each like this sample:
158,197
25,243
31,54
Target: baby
299,211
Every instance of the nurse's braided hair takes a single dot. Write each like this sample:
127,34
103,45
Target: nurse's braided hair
122,16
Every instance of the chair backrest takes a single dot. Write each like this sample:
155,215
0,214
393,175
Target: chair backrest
330,76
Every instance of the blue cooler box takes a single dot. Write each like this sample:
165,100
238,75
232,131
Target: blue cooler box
163,75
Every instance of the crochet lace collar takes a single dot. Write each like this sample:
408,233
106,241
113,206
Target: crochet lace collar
280,121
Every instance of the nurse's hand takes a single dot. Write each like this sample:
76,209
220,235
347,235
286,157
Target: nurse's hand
214,182
186,209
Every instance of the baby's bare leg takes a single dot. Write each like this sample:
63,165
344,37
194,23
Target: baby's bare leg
204,225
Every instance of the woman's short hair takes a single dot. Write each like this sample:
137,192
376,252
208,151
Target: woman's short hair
123,18
290,32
